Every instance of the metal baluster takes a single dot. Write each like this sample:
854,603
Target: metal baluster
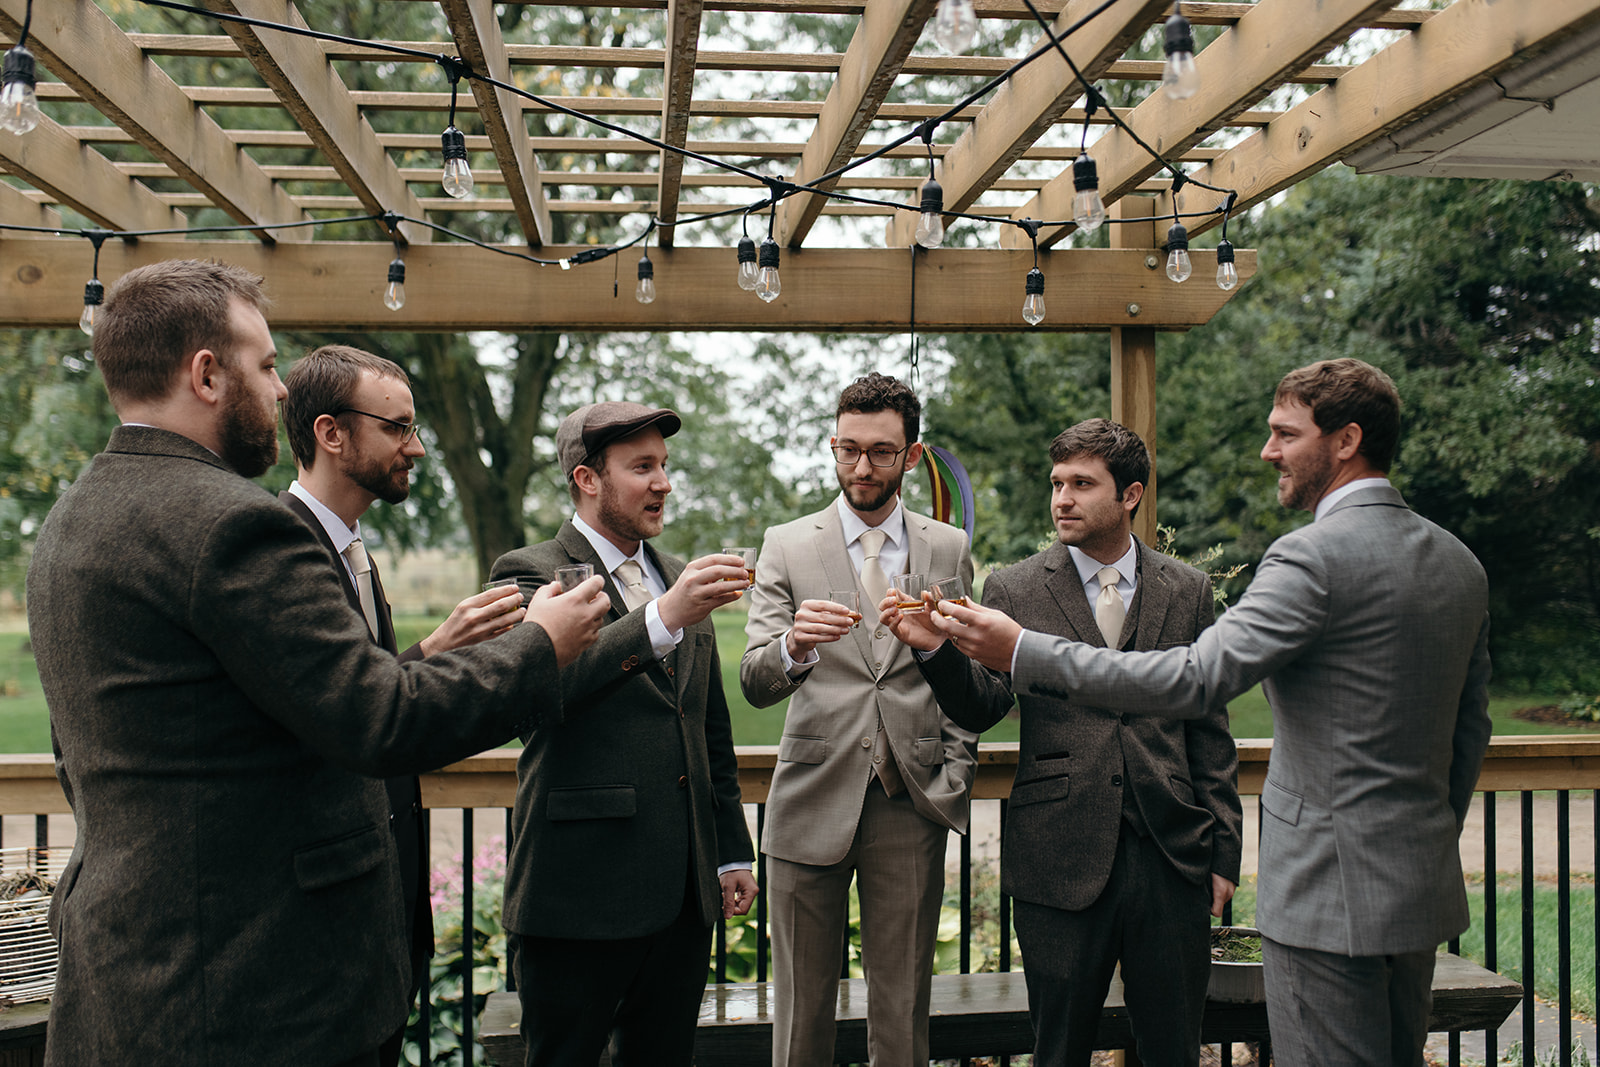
761,897
1564,921
1528,1037
425,998
722,950
1491,943
966,903
1005,909
511,833
466,936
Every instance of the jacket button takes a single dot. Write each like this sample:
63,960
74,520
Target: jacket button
683,781
671,673
1116,779
878,634
680,711
881,685
866,742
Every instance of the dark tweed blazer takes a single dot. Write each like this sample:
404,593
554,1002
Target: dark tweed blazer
631,793
1076,760
219,717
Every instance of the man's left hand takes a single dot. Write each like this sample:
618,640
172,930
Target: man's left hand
738,892
1221,893
980,633
477,618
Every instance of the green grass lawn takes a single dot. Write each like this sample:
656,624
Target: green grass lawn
24,723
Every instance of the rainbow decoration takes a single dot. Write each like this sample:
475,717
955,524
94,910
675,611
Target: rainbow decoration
952,488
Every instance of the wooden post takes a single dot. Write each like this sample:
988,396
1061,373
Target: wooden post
1133,360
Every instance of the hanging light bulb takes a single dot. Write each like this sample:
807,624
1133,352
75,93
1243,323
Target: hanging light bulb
1180,77
457,174
19,105
1227,273
1178,266
955,25
1088,210
394,294
748,274
930,227
94,294
768,285
646,292
1033,302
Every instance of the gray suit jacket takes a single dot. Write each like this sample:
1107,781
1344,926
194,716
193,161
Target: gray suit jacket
220,717
1369,630
632,793
1078,763
823,766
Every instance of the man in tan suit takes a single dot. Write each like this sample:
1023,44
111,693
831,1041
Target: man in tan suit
871,776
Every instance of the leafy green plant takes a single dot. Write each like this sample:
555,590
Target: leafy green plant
1204,561
1578,706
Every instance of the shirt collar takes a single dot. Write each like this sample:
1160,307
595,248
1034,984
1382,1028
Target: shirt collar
1089,568
610,555
1343,491
340,534
894,527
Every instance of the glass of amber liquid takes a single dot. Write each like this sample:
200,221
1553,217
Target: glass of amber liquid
749,557
911,588
850,600
952,589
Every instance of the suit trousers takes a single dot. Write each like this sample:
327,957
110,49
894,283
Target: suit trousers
640,993
1157,924
1333,1010
897,860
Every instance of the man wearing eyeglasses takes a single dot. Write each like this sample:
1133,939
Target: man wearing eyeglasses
352,427
871,776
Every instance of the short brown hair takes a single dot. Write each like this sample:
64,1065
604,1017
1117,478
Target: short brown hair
322,383
1122,451
158,315
1342,391
880,392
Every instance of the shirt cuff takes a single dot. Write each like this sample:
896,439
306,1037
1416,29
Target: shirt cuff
662,640
790,667
742,865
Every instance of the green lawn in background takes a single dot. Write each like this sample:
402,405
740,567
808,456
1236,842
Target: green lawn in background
24,723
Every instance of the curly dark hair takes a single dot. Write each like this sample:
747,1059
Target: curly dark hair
882,392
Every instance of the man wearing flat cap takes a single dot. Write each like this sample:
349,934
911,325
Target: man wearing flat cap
630,839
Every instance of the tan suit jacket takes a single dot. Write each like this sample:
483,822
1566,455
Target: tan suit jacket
825,755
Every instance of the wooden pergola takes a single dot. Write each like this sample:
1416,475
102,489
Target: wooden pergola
1467,66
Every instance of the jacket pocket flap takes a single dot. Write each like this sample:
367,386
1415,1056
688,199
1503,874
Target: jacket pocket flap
928,751
1281,803
797,749
592,802
330,862
1041,789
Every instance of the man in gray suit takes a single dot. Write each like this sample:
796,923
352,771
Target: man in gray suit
1368,629
871,778
352,427
1123,832
630,837
217,709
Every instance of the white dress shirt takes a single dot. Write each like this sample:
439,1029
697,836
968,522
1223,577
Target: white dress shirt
1343,491
662,640
340,534
892,557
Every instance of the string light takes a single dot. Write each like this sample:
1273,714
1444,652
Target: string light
1179,76
394,294
1178,266
646,292
94,294
748,274
1088,210
457,174
1227,271
955,25
930,226
19,104
1033,301
768,284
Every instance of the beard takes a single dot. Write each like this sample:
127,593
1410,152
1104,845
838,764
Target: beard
249,433
1308,482
392,485
637,527
869,498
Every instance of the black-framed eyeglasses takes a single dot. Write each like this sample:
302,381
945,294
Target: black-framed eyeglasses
850,455
407,430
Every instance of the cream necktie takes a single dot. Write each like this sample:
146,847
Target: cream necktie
1109,610
631,577
356,553
873,580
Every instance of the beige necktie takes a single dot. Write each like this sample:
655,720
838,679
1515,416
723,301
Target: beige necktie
630,576
1109,610
356,553
873,580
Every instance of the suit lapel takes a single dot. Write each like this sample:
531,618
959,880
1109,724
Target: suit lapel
1067,589
386,638
298,506
579,550
833,556
1151,601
